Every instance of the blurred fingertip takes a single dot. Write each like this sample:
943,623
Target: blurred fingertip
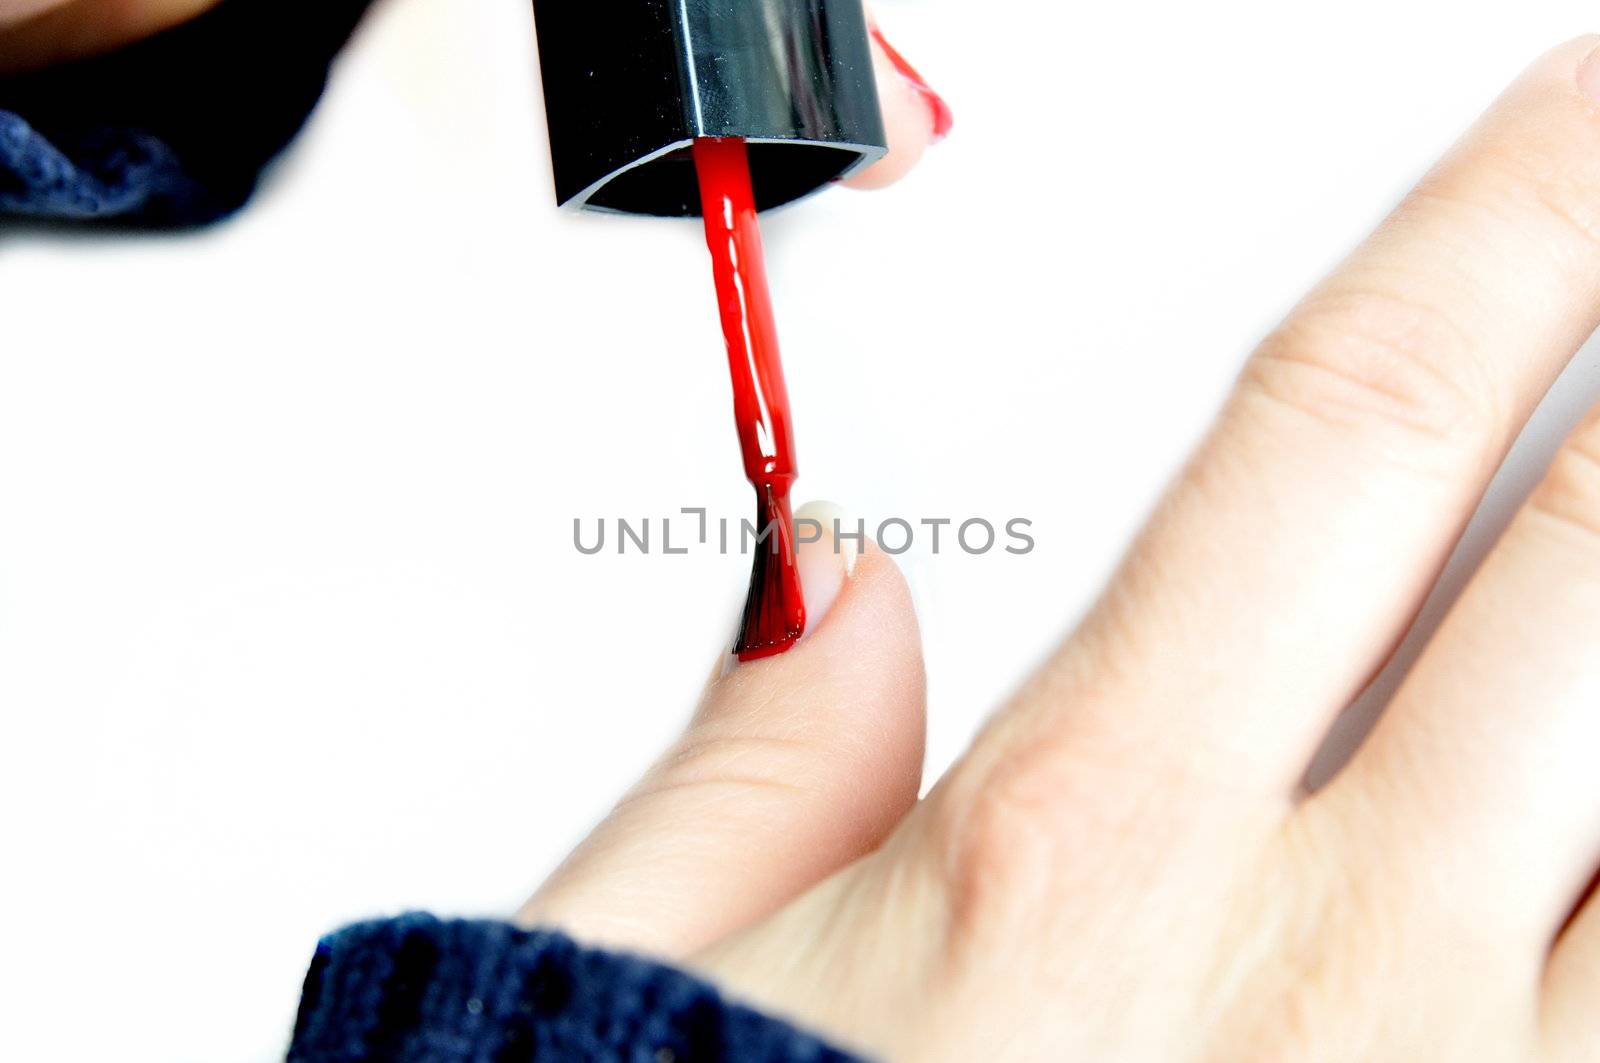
915,116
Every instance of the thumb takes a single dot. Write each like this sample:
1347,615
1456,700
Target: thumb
793,767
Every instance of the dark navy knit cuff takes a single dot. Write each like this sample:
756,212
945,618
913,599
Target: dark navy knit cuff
174,130
421,990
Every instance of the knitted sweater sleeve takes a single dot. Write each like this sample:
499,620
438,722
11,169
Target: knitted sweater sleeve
174,130
421,990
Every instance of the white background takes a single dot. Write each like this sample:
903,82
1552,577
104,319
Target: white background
292,631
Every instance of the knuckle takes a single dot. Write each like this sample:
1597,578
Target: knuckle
1532,171
1569,495
1046,819
993,844
1568,200
1546,187
1368,360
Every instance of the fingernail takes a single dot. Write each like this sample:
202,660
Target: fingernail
828,548
1589,75
944,119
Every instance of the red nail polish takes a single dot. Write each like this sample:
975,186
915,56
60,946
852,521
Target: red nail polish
775,609
944,119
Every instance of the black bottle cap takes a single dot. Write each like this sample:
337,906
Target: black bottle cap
629,85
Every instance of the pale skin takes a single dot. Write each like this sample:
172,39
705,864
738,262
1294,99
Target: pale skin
1124,865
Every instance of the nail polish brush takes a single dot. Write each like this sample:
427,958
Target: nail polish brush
718,109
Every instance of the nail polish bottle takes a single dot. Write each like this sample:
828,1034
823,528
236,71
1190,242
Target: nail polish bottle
630,84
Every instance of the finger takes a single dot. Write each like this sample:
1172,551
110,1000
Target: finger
37,33
1570,1023
794,767
1487,750
1285,564
914,115
14,11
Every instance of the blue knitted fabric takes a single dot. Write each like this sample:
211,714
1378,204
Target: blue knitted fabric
104,174
174,130
420,990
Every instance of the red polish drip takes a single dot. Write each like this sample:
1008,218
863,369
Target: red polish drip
944,119
775,611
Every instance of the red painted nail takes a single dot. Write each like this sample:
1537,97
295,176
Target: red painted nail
944,119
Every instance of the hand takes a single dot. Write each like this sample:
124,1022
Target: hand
1124,865
38,33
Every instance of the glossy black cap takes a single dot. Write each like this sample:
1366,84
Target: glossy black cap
630,84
